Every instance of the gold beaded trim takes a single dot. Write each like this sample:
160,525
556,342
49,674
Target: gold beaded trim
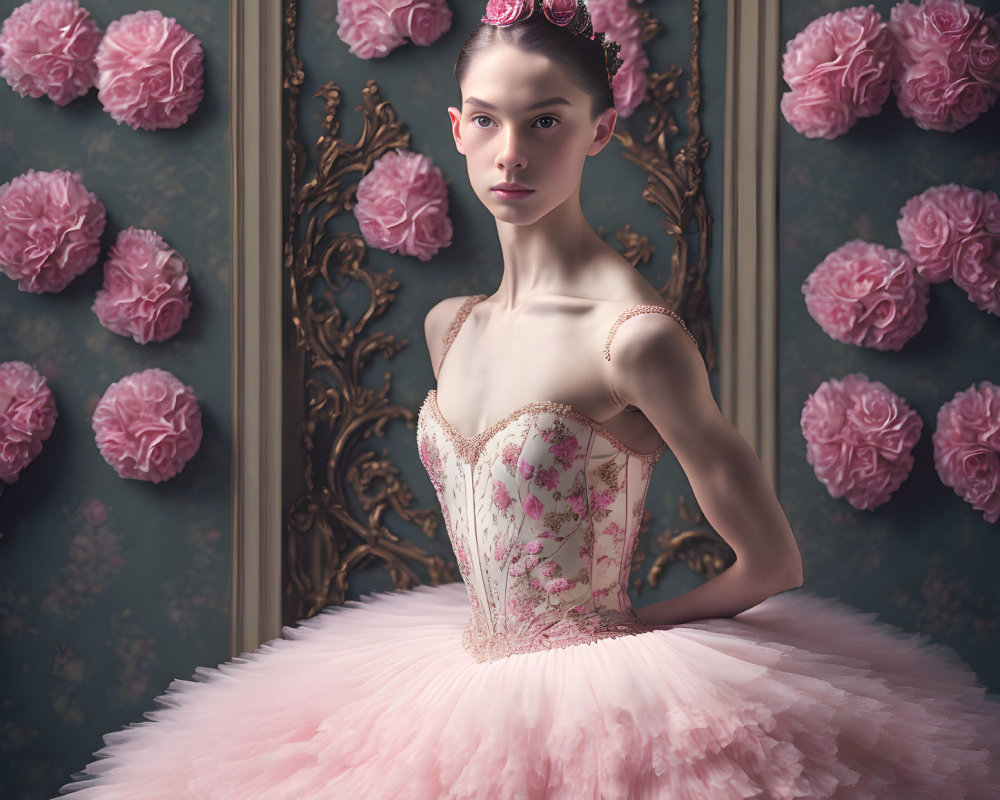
456,323
469,448
643,309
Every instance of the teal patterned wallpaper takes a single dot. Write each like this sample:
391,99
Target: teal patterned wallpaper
925,561
419,83
110,588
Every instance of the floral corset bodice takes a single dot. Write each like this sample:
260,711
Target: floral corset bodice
543,512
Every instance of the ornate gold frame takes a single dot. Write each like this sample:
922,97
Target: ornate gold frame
337,522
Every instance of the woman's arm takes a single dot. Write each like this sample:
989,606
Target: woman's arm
656,367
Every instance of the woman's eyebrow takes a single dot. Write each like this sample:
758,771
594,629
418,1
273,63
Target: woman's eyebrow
552,101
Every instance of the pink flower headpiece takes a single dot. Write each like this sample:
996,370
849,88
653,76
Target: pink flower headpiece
570,14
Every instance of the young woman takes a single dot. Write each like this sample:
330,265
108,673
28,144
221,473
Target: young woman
535,677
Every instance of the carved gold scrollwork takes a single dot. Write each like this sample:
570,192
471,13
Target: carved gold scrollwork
338,523
675,184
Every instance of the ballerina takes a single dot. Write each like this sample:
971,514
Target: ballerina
535,677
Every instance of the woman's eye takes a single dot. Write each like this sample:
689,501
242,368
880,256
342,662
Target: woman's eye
552,120
479,117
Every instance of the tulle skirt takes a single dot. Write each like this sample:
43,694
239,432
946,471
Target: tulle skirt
798,697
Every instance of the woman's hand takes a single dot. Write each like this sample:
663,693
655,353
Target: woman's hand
656,367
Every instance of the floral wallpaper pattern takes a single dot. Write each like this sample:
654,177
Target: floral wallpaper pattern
111,588
925,561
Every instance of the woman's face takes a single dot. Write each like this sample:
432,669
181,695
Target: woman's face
523,121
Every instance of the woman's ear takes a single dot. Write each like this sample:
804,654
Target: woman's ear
456,119
605,128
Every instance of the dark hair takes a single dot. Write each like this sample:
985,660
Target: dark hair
583,58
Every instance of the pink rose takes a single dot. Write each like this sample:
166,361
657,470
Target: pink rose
367,28
967,447
148,425
859,439
50,229
949,57
422,21
839,67
47,48
27,416
151,71
146,294
953,231
619,21
868,295
402,206
504,12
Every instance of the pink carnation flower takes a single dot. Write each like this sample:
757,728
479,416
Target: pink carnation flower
839,67
146,293
618,20
148,425
953,231
27,416
50,229
859,439
949,57
402,206
373,30
868,295
47,48
967,447
151,71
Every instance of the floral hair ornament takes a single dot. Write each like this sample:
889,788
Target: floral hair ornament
569,14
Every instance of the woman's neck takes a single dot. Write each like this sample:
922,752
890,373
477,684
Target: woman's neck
550,256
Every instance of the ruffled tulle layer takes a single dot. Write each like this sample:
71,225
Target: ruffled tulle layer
797,698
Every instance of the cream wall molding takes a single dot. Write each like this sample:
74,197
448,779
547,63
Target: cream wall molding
255,68
749,319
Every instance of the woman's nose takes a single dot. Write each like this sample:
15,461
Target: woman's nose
511,154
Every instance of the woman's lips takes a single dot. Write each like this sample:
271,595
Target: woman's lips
505,193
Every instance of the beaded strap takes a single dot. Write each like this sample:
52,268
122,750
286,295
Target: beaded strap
628,313
456,323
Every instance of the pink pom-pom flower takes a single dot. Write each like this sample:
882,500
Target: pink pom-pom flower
967,447
148,425
839,67
618,20
860,437
949,62
47,48
151,71
27,416
402,205
953,231
867,294
373,30
50,229
146,293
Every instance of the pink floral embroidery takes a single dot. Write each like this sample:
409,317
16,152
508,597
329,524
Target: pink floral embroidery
533,507
534,546
558,585
548,534
462,556
601,499
579,609
578,503
565,451
498,552
500,495
510,454
547,478
526,469
549,568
